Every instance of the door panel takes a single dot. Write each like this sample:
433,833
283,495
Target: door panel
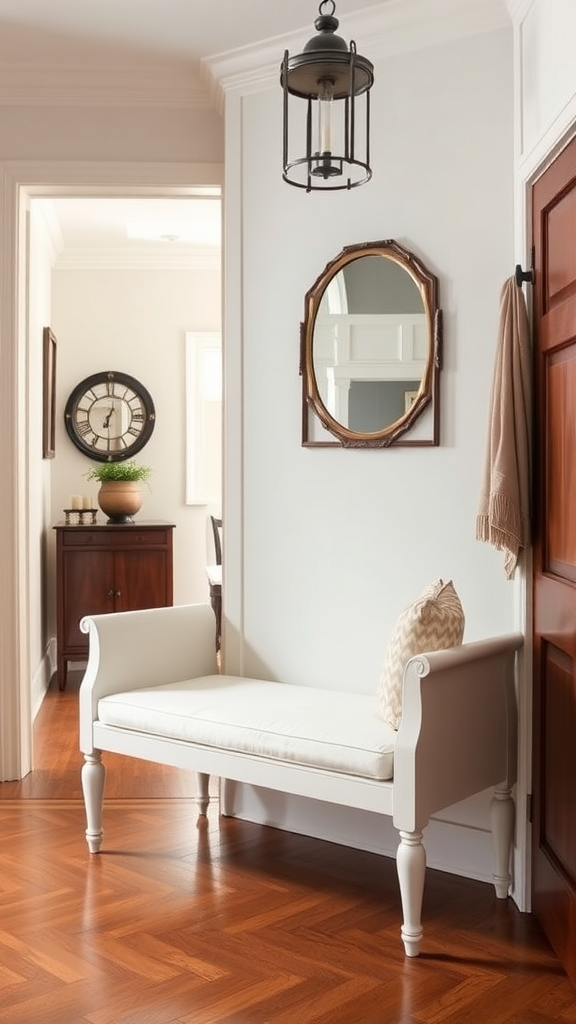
558,834
141,580
554,564
561,271
560,492
89,576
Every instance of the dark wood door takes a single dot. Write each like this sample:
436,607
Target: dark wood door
554,572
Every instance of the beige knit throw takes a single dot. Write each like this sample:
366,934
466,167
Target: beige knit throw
503,518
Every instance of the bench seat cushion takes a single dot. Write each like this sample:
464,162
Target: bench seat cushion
340,732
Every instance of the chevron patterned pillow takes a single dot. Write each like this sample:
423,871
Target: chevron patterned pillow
433,622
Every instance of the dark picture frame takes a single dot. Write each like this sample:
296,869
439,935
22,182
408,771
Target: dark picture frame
49,394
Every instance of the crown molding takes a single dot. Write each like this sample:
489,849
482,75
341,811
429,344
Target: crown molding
396,27
162,256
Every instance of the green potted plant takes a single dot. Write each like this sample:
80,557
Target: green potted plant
120,494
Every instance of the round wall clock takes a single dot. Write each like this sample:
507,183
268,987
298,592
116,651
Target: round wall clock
110,416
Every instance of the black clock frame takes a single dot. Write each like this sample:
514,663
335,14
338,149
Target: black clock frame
108,377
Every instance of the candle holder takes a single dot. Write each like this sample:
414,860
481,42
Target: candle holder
80,516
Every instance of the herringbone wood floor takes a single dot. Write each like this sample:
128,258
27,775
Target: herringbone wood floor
186,921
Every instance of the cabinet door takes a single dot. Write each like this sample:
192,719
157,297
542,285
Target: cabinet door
89,588
141,579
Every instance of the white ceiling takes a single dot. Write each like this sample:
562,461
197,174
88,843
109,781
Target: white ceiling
135,232
191,222
190,29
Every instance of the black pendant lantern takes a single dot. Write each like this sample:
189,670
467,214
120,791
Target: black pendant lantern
335,82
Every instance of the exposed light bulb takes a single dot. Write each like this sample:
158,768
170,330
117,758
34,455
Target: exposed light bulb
325,97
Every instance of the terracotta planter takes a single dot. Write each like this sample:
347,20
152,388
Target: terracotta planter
120,500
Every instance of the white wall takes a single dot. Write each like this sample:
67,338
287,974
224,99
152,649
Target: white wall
372,526
327,546
135,321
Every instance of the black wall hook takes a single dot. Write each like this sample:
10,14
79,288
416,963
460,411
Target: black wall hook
523,275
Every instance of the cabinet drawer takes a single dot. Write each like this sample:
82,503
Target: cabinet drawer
128,537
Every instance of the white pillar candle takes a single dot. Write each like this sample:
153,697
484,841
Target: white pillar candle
76,501
86,501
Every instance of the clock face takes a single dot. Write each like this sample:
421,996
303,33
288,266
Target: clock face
110,416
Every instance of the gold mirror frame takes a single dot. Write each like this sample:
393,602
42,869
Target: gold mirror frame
427,394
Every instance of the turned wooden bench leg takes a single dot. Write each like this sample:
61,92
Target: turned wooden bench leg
93,775
202,790
411,867
502,820
227,793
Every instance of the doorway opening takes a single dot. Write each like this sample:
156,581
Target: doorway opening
39,484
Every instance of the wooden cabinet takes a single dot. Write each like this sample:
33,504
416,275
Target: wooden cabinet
109,568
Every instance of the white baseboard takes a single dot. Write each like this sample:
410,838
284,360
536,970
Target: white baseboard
42,676
453,846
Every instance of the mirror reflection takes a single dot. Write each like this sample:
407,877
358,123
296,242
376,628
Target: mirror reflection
371,345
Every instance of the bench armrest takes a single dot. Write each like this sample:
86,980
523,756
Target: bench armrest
130,650
458,730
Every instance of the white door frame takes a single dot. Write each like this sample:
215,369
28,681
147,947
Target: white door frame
19,181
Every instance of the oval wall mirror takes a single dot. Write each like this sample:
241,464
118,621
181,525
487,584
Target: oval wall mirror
371,350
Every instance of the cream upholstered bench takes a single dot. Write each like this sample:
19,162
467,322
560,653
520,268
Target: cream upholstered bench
152,690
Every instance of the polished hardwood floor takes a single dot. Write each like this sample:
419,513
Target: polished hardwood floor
185,920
